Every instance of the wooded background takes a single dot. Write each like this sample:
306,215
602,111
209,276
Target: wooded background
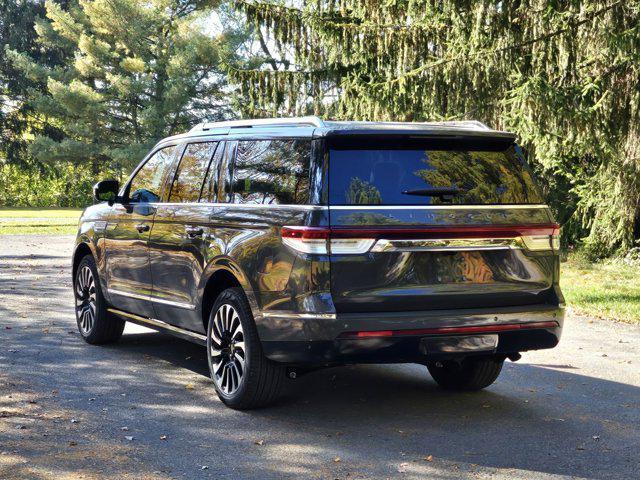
87,86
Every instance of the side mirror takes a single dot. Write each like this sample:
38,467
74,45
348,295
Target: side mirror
106,191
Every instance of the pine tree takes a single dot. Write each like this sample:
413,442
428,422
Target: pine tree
17,122
565,76
138,71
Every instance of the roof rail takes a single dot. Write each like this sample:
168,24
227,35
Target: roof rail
262,122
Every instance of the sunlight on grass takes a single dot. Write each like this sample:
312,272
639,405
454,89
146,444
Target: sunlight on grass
40,213
39,221
605,290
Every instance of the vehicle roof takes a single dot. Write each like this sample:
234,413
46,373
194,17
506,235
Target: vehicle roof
315,127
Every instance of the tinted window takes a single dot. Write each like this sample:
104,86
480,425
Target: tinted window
272,171
373,177
210,191
146,186
191,172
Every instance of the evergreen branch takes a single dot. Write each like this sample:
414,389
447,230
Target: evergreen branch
300,15
493,51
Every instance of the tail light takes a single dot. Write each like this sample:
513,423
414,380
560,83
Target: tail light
322,240
340,240
542,238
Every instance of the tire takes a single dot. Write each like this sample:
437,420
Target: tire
243,377
96,325
471,374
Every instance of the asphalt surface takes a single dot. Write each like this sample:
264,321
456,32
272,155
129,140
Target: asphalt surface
144,407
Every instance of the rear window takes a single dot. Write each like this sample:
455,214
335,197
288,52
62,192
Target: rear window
419,177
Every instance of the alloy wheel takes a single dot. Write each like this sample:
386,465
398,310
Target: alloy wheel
227,349
85,294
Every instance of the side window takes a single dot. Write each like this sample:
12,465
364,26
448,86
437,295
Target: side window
191,173
272,172
146,186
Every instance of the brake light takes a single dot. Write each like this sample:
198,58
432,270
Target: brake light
547,238
306,239
349,240
322,240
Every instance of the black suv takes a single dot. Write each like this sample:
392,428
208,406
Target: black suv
285,245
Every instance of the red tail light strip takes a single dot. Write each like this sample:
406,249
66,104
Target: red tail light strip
451,330
449,231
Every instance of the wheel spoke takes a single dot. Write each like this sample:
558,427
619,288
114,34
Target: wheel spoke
216,334
239,362
217,366
237,330
226,378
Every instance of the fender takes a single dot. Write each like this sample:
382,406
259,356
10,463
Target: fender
227,264
90,236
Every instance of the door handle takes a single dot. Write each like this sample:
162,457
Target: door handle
142,227
194,231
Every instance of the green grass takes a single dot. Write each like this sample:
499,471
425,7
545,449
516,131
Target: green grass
39,221
603,290
25,212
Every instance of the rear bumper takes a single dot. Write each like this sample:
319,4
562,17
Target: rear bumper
398,337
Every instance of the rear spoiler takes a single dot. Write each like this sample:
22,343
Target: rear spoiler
368,139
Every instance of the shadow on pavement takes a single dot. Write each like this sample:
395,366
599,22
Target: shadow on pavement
535,418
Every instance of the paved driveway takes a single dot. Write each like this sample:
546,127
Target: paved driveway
144,407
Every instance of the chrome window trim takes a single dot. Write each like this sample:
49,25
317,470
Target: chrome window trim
438,207
151,298
241,205
353,207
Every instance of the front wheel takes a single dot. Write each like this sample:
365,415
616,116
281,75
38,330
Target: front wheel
95,323
470,374
243,377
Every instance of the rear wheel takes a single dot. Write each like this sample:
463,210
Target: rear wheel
95,323
470,374
243,377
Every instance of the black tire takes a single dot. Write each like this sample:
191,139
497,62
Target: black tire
469,375
261,380
96,325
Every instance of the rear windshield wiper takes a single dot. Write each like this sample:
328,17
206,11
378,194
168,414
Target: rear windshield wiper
444,192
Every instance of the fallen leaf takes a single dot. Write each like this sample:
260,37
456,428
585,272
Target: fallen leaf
337,460
429,458
189,386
